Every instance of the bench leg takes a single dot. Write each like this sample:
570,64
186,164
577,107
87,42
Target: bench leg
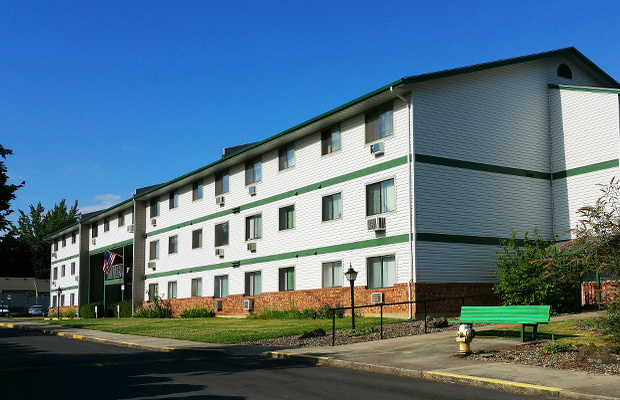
522,332
534,331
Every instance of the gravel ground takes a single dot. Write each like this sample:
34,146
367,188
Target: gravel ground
527,354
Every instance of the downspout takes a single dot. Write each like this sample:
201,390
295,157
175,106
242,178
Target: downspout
412,274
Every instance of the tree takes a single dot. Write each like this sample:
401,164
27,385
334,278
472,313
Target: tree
7,192
38,224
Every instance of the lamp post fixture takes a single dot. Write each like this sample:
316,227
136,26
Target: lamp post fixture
58,302
351,274
9,299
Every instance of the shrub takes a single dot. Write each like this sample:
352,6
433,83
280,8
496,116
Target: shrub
159,309
198,312
309,313
360,331
557,348
125,307
88,310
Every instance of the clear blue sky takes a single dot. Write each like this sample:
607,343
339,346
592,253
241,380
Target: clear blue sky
99,98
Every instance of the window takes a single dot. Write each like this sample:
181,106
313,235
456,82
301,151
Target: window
286,157
379,124
54,300
154,250
380,197
73,237
332,207
172,290
72,268
62,270
221,286
197,190
253,227
173,199
381,271
72,299
196,287
106,224
252,172
252,283
221,234
56,244
332,274
64,240
330,140
197,239
287,279
221,182
121,219
287,217
172,244
153,291
154,207
564,71
55,273
62,300
95,229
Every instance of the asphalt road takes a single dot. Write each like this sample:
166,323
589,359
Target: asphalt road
39,366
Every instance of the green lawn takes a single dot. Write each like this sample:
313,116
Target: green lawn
217,330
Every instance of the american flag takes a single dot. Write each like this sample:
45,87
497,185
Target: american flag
108,261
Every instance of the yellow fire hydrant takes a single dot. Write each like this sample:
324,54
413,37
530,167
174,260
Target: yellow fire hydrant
463,337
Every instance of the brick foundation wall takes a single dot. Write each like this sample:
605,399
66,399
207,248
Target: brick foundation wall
424,291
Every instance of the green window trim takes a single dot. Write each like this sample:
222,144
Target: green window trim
65,259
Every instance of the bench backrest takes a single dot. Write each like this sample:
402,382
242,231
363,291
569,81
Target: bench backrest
505,314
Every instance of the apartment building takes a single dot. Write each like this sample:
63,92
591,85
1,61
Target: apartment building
412,185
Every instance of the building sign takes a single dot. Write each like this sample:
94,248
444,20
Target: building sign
116,272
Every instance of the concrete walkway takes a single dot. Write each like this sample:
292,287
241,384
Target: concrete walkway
428,356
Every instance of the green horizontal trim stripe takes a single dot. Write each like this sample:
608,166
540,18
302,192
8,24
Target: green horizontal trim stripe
291,255
113,282
585,89
450,162
66,288
66,259
441,238
112,246
291,193
586,169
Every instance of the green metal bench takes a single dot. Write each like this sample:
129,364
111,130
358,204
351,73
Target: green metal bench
523,315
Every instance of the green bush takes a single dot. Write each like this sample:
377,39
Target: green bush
88,310
360,331
159,309
125,308
198,312
325,312
309,313
557,348
276,314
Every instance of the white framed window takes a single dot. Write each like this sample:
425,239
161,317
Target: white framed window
153,291
172,290
252,283
54,300
72,299
221,182
286,279
220,289
72,268
332,274
381,271
380,197
254,227
197,239
94,229
56,244
173,244
154,250
253,171
332,207
64,240
287,217
197,190
197,287
106,224
62,270
173,199
155,207
330,140
379,123
62,300
73,237
286,157
55,273
121,219
221,234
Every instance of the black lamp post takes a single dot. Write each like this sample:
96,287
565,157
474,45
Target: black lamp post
2,304
58,302
9,299
351,274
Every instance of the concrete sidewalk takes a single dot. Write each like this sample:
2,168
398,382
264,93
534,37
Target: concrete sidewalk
428,356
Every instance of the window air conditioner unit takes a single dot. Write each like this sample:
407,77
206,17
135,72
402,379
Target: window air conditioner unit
54,255
376,298
154,221
217,305
248,305
251,246
377,148
219,252
252,190
219,200
94,241
130,228
376,224
152,265
77,278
